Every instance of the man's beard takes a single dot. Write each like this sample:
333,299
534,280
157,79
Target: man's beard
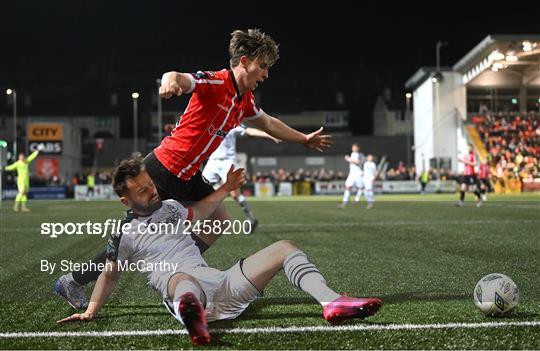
146,209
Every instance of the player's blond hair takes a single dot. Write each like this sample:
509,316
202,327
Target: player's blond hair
254,44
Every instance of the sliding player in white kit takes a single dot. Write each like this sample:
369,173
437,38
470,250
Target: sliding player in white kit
370,173
224,157
193,292
354,179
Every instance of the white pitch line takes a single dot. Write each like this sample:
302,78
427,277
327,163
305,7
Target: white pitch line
271,330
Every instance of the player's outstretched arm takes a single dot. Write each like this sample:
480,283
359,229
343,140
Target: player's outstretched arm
174,83
256,133
12,166
104,286
277,129
204,208
33,155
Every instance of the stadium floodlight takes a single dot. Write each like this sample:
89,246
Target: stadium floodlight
527,46
9,91
437,77
496,55
408,95
511,58
135,95
514,101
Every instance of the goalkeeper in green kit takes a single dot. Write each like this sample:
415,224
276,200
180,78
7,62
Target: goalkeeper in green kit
23,180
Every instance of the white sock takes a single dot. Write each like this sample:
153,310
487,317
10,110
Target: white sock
245,207
358,195
346,196
183,287
369,196
306,277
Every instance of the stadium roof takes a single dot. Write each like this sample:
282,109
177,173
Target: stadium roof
509,53
422,74
505,44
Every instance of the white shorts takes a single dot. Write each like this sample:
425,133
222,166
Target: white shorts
354,181
228,293
216,170
368,184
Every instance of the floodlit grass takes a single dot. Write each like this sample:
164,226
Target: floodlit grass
420,254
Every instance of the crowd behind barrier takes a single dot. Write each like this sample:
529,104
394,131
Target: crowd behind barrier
513,144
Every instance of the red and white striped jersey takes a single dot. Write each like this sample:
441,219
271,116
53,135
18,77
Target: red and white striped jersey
483,171
214,109
470,168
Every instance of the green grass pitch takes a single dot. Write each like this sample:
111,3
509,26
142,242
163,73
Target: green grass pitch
420,254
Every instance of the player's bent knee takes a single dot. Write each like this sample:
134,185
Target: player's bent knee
286,246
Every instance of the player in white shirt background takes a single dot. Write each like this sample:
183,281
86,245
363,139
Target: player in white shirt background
224,157
370,173
354,179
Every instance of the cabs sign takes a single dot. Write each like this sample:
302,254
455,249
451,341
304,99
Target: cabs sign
48,135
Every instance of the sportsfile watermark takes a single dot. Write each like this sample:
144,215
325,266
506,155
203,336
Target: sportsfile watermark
115,226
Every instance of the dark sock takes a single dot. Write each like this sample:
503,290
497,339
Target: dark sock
461,195
83,278
477,193
201,245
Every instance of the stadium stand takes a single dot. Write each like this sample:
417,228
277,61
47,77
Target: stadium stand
513,144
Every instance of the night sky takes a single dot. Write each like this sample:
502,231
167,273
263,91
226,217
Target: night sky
69,57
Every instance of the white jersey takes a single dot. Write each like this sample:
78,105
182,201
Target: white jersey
370,171
167,248
228,293
227,148
356,169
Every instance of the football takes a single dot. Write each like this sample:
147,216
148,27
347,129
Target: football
496,295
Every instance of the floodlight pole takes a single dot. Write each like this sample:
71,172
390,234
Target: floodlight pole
438,78
408,118
3,145
159,112
13,93
15,124
1,171
438,53
135,97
